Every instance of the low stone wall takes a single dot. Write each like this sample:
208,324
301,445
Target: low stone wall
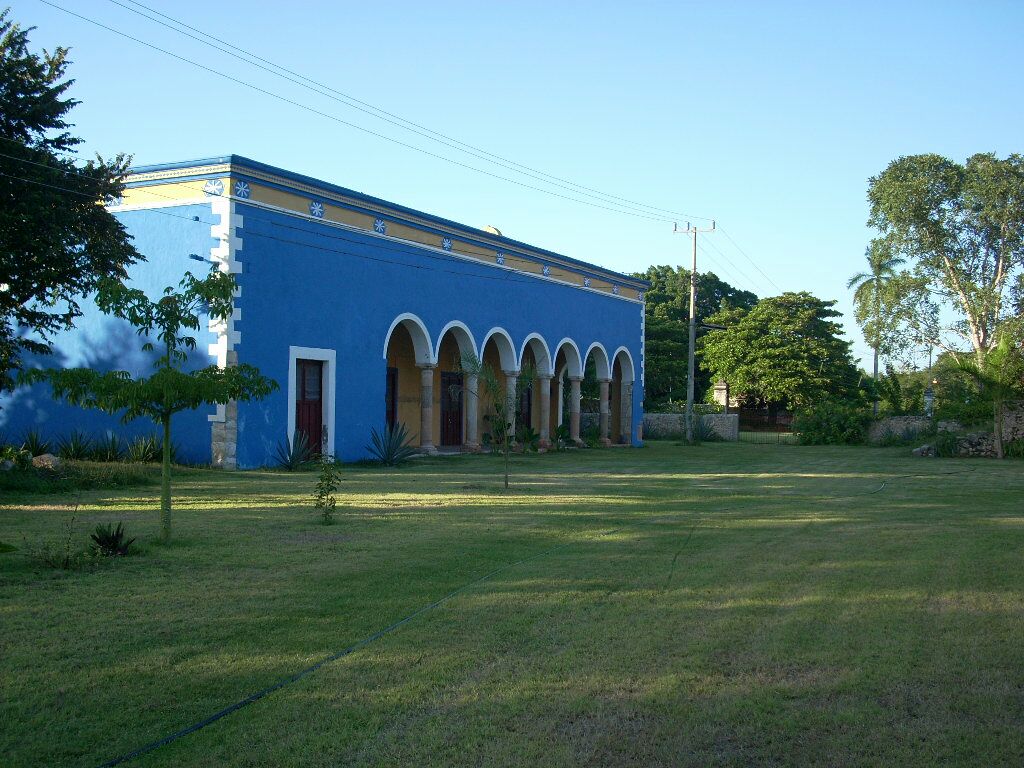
671,426
665,426
903,425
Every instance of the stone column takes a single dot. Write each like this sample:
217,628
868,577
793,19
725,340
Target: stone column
472,400
544,382
626,412
722,394
511,401
427,408
574,408
606,411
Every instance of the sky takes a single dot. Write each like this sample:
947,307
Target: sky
768,117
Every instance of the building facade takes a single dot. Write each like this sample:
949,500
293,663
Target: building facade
363,311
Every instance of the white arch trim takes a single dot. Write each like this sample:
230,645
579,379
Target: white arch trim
420,338
574,361
545,367
602,363
628,371
506,350
462,336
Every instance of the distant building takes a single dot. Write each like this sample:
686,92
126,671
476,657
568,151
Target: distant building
361,310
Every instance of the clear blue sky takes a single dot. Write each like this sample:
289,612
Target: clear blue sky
768,117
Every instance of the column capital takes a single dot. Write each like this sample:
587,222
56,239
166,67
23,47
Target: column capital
604,381
576,379
513,374
426,366
545,376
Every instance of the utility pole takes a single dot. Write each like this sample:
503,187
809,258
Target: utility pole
690,230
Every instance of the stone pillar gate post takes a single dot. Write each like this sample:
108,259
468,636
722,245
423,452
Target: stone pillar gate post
427,408
574,408
606,414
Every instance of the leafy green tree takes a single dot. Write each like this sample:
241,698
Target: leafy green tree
961,229
667,314
57,241
787,350
170,389
872,299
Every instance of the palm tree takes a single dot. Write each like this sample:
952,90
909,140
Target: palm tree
868,289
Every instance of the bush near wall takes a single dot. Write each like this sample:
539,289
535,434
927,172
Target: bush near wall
831,423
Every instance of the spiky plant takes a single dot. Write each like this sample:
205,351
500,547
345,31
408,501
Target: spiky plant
294,455
77,446
392,448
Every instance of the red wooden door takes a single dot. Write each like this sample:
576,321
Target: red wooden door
451,409
309,402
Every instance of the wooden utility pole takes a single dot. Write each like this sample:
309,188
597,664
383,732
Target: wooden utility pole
691,355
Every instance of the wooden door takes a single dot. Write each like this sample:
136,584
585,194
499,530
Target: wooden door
309,402
451,409
391,398
525,416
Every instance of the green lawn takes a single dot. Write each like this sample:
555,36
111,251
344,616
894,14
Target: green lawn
721,605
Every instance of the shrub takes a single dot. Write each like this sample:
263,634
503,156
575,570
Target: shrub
946,444
294,455
77,445
830,423
326,485
109,448
591,436
21,458
79,475
60,555
393,448
1014,449
909,435
35,443
561,437
528,439
110,542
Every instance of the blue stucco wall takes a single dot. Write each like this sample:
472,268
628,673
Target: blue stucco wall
166,237
304,284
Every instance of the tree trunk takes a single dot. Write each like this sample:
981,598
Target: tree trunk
997,427
165,483
875,404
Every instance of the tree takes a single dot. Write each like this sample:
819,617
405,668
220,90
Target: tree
871,296
503,403
169,389
667,313
788,350
57,241
961,227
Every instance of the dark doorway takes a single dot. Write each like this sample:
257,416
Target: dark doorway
309,402
524,418
451,409
391,398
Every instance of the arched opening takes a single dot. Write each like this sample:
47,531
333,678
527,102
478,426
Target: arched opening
498,354
407,352
596,393
568,367
535,401
451,414
621,398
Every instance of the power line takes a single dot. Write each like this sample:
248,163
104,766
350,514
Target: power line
744,253
349,124
322,89
751,283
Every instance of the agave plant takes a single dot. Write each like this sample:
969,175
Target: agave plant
294,455
109,448
393,448
77,445
143,450
703,431
111,542
561,437
35,443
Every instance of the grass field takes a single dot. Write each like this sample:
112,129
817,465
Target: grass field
721,605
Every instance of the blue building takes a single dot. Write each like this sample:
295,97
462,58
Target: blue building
361,310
